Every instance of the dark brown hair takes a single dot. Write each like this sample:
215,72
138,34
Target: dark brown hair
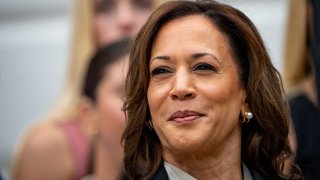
99,63
265,144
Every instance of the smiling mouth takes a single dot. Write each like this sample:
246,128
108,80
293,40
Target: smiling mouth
184,117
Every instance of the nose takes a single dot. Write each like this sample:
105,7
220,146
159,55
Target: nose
183,86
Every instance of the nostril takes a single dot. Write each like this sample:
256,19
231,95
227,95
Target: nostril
182,96
174,97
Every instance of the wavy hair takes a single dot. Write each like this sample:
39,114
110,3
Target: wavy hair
265,144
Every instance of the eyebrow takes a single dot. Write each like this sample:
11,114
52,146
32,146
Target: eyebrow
160,58
194,56
199,55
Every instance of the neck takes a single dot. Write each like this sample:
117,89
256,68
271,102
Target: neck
107,164
222,162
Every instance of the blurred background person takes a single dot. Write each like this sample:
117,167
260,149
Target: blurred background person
302,65
102,101
115,19
100,108
46,151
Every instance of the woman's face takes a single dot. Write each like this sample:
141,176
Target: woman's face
116,19
108,108
195,95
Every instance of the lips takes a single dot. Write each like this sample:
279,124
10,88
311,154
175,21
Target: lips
185,116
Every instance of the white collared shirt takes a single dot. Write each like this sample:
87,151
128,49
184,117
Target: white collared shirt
175,173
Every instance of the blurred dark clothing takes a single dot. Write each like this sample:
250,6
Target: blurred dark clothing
315,43
306,120
305,114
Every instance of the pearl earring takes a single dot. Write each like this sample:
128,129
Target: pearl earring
247,117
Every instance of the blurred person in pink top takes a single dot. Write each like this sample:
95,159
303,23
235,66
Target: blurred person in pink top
59,145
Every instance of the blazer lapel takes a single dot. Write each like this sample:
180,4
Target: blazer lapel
161,174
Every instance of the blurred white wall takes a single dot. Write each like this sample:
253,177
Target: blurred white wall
34,45
270,17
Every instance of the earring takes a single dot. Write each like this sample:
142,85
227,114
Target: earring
149,125
247,117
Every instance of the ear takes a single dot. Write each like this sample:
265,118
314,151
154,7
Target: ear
245,106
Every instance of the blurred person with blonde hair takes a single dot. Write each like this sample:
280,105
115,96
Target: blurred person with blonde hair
302,68
59,145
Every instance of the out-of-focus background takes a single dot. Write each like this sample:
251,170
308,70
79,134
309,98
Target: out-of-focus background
34,36
34,47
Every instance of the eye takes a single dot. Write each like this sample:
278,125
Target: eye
160,71
143,4
204,67
104,6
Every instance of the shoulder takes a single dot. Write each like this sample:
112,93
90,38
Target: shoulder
42,138
43,152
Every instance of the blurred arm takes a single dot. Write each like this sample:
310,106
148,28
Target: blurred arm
44,155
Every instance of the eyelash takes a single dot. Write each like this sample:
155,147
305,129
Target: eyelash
203,66
160,70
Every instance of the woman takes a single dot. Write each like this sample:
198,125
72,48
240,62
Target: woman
97,23
46,151
102,103
203,98
101,108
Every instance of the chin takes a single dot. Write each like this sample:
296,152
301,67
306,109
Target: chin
186,145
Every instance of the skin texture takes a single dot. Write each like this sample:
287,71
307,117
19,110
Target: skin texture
192,68
116,19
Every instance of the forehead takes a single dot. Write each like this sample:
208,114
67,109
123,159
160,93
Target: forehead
190,33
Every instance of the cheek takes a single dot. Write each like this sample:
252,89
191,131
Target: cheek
158,95
225,100
104,30
100,25
112,109
111,117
